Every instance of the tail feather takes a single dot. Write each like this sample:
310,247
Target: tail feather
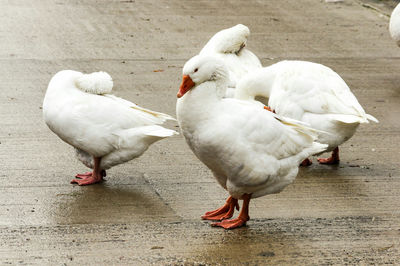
351,119
162,116
156,117
300,126
317,148
370,117
158,131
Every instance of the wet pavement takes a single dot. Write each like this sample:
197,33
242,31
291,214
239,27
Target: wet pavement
148,211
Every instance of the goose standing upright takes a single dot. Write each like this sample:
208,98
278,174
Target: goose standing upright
229,45
311,93
394,25
104,129
250,151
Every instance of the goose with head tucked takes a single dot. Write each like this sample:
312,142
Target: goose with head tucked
394,24
229,45
311,93
104,129
250,151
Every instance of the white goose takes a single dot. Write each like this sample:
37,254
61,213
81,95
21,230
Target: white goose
229,45
394,25
311,93
250,151
105,130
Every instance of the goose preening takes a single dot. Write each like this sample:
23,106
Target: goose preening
311,93
251,152
229,45
394,25
104,129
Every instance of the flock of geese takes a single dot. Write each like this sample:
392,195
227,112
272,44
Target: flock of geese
253,148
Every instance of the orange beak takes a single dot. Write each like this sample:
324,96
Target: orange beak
186,85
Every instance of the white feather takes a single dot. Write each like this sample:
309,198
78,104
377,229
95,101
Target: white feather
248,149
227,41
132,143
311,93
229,45
103,126
394,24
96,83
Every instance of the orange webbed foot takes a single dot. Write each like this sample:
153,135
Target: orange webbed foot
84,181
225,212
84,175
241,219
329,160
231,224
306,162
88,178
334,159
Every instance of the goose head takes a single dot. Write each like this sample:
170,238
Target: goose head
201,69
228,41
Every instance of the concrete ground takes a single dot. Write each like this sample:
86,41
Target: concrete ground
148,211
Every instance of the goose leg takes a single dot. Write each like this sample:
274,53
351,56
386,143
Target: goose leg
90,177
334,159
225,212
241,219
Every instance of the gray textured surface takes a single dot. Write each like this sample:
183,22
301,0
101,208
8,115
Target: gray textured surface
149,210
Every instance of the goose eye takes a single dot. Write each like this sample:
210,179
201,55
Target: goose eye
196,70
